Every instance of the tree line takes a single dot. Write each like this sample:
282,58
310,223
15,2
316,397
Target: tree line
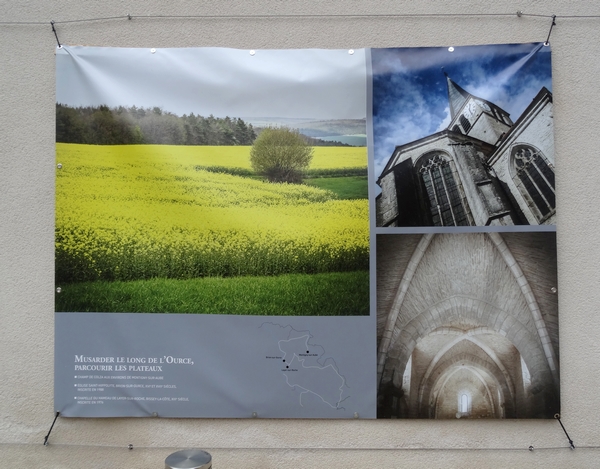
102,125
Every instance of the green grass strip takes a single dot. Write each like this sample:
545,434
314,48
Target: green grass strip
335,172
329,294
348,188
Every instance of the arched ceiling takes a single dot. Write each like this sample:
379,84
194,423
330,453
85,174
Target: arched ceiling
466,282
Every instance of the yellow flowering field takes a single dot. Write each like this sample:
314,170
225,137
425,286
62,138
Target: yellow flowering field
339,157
224,156
141,211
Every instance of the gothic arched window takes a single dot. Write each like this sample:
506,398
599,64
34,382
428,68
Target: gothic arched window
535,179
446,204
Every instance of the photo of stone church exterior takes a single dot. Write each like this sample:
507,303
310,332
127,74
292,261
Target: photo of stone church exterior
467,325
482,169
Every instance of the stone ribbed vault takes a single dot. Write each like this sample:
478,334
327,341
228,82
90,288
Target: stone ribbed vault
458,314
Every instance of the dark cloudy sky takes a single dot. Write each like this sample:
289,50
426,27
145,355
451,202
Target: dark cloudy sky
410,97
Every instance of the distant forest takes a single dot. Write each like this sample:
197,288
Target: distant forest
102,125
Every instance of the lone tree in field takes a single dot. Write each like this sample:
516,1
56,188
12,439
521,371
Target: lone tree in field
281,155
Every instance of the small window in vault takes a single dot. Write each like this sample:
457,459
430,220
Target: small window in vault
464,403
526,375
407,375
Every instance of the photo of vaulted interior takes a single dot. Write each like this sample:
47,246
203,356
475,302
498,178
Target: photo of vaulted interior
467,325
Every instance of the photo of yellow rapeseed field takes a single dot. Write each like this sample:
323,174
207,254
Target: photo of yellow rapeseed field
129,215
162,211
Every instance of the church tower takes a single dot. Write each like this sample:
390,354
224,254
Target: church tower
474,116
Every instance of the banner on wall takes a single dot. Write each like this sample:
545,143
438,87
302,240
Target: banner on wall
226,246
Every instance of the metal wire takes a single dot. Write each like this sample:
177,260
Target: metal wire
301,15
314,448
287,16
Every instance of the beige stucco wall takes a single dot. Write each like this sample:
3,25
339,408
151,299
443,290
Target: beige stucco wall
26,238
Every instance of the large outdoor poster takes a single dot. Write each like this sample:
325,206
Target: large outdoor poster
226,246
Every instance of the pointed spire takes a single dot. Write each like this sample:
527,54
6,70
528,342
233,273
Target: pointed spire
456,96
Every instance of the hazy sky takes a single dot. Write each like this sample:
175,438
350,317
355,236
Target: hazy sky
295,83
410,96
